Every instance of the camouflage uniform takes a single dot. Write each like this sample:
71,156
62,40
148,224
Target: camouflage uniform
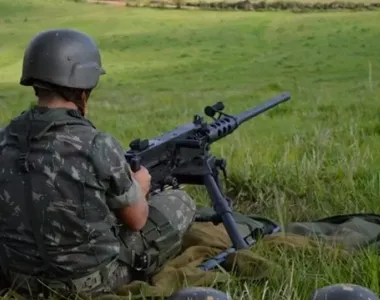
59,184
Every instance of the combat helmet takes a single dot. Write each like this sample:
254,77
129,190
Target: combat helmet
199,293
343,292
62,57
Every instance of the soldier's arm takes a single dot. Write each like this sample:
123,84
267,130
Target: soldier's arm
123,193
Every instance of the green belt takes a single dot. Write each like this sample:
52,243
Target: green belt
83,284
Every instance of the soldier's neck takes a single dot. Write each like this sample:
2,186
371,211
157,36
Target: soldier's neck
56,103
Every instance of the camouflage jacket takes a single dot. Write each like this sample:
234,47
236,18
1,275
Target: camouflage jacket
78,176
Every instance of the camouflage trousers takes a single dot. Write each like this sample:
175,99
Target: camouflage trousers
171,213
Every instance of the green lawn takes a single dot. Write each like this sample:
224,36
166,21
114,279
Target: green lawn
314,156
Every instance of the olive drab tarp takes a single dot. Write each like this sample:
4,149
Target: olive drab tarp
205,240
347,233
352,231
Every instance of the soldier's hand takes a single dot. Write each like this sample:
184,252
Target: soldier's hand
143,177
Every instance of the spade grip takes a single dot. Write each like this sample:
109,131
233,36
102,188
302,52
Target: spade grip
135,164
137,145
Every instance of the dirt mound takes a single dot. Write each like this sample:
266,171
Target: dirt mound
110,2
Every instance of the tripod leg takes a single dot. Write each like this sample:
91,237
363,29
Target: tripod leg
222,208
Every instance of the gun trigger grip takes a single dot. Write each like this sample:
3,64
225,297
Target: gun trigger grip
135,164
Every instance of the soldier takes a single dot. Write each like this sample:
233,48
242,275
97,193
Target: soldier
73,216
343,292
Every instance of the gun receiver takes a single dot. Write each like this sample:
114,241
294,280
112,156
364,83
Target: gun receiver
182,156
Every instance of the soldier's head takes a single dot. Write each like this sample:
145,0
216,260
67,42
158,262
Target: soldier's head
63,66
343,292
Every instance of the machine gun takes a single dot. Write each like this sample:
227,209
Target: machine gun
182,156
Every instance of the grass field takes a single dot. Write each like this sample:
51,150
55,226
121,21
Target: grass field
315,156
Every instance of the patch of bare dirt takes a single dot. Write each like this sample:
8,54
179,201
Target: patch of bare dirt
109,2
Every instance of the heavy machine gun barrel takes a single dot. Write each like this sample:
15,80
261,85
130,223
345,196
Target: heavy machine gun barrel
226,124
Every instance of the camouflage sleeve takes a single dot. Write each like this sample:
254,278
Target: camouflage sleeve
114,172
